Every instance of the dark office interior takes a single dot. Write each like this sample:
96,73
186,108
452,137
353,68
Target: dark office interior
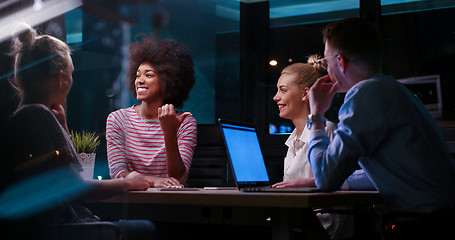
232,50
232,43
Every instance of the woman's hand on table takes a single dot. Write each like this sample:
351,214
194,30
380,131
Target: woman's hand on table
168,182
299,182
136,181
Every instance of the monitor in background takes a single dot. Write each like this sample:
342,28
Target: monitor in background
428,90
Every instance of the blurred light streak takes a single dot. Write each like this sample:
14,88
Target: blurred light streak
9,25
40,193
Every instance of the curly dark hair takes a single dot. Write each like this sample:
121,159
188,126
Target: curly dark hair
172,61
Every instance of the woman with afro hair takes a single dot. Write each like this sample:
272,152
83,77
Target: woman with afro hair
153,138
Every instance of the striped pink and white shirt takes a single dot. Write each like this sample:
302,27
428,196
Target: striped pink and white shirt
137,144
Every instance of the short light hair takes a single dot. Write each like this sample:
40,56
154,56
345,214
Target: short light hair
356,39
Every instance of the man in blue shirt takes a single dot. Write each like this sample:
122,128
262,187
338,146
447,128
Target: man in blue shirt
383,127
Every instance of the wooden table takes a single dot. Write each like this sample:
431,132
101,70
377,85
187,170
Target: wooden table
281,211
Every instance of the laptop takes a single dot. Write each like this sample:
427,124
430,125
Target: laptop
246,159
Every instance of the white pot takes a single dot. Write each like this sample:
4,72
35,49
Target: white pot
87,160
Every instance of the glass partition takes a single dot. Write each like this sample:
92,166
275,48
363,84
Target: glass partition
100,32
418,42
103,56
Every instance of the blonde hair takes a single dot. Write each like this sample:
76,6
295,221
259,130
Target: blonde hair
36,57
307,73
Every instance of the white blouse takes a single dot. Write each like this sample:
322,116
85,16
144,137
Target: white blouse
296,164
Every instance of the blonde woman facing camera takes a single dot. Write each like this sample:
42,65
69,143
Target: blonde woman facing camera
292,99
293,102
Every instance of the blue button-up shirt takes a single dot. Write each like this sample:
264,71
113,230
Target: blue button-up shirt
392,136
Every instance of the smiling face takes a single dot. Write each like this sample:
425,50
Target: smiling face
147,84
289,97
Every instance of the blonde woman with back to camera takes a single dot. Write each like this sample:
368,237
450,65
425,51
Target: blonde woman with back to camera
38,146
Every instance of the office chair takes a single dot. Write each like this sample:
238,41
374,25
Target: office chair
209,166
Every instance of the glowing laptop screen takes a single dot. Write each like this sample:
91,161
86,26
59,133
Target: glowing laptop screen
245,154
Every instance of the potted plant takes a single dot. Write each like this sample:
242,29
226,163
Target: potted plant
86,143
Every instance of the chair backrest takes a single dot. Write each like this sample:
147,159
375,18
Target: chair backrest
209,167
449,135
